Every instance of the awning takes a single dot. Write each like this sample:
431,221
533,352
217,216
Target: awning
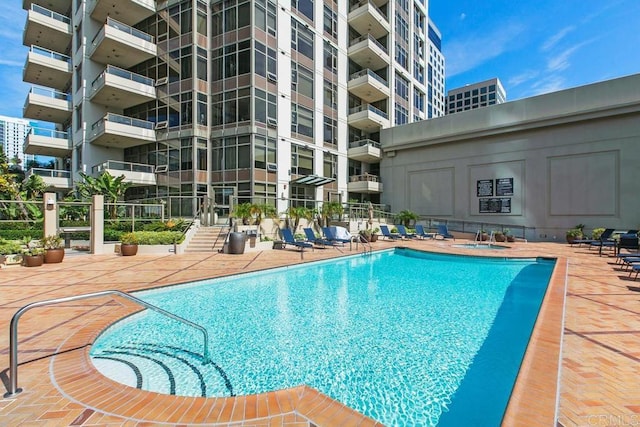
313,180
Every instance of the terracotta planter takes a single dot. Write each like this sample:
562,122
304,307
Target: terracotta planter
374,238
511,239
32,260
128,249
500,237
53,256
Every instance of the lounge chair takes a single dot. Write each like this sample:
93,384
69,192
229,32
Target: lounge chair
605,241
311,237
420,233
606,234
387,234
331,236
444,232
402,231
287,237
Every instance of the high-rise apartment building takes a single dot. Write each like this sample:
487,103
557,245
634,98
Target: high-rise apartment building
13,131
469,97
256,100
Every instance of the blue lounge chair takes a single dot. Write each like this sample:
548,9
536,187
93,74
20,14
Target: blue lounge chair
287,237
402,231
605,241
331,236
444,232
387,234
311,237
420,233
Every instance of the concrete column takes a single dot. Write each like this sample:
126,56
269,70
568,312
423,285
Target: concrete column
50,218
97,224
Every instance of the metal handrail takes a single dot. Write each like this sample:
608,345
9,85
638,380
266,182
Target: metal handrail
13,332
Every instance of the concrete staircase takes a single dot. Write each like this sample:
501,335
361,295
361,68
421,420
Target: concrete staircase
205,239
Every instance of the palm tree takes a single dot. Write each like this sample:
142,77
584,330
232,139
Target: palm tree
263,210
296,213
243,212
330,209
406,216
112,188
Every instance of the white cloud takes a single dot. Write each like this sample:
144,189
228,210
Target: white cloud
463,16
11,63
554,39
465,54
548,84
522,78
560,61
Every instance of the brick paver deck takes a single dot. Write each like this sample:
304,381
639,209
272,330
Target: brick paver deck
599,379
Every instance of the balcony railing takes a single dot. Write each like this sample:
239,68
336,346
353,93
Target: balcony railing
49,13
124,120
368,72
122,166
50,54
49,93
364,177
368,107
125,28
371,38
362,142
49,133
128,75
49,173
361,3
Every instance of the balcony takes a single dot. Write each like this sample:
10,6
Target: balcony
367,118
365,17
119,88
53,178
47,68
365,150
368,86
47,105
368,52
127,11
121,132
59,6
121,45
135,173
47,142
47,29
364,184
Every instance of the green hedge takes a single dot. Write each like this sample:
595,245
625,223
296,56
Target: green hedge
158,237
19,234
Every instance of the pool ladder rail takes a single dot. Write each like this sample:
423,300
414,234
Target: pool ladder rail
13,329
367,249
478,239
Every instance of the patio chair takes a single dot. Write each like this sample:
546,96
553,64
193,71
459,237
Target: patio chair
387,234
605,241
402,231
420,233
331,236
444,232
287,237
311,237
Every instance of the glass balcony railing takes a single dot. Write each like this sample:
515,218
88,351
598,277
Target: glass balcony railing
370,38
368,72
122,166
361,3
49,173
368,107
125,28
124,120
128,75
49,93
49,133
363,142
50,54
49,13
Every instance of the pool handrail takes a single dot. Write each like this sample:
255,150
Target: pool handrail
13,329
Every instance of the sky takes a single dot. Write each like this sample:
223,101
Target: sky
532,46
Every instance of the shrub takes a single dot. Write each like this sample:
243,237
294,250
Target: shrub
596,233
52,242
154,237
8,247
129,239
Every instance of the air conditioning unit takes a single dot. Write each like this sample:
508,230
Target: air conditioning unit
162,125
272,77
162,81
272,123
272,167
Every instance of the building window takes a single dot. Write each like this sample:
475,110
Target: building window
330,23
265,106
402,115
418,100
330,165
265,18
301,38
402,87
330,94
402,57
266,64
330,131
402,29
301,120
265,151
418,72
330,57
301,160
301,79
305,7
403,4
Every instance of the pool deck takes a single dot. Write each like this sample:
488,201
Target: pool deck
599,377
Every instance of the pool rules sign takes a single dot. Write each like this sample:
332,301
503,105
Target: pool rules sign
494,202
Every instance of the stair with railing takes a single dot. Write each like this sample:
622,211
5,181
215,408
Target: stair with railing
208,239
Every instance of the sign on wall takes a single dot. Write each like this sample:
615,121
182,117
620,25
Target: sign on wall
485,187
495,205
504,186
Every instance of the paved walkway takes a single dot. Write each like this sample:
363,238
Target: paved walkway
600,376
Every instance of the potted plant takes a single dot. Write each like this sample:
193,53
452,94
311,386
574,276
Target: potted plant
53,249
483,235
370,235
508,235
32,253
128,244
10,252
499,236
573,234
406,217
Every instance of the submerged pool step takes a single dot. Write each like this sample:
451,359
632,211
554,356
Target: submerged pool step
165,369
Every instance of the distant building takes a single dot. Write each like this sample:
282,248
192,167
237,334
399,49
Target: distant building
469,97
435,75
13,131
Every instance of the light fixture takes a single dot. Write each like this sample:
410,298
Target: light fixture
50,204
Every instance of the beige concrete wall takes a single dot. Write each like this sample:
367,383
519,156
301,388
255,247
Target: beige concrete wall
573,156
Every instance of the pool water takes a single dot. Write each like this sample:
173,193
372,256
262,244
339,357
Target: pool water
405,337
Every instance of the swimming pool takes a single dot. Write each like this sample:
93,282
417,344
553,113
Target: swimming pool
407,338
